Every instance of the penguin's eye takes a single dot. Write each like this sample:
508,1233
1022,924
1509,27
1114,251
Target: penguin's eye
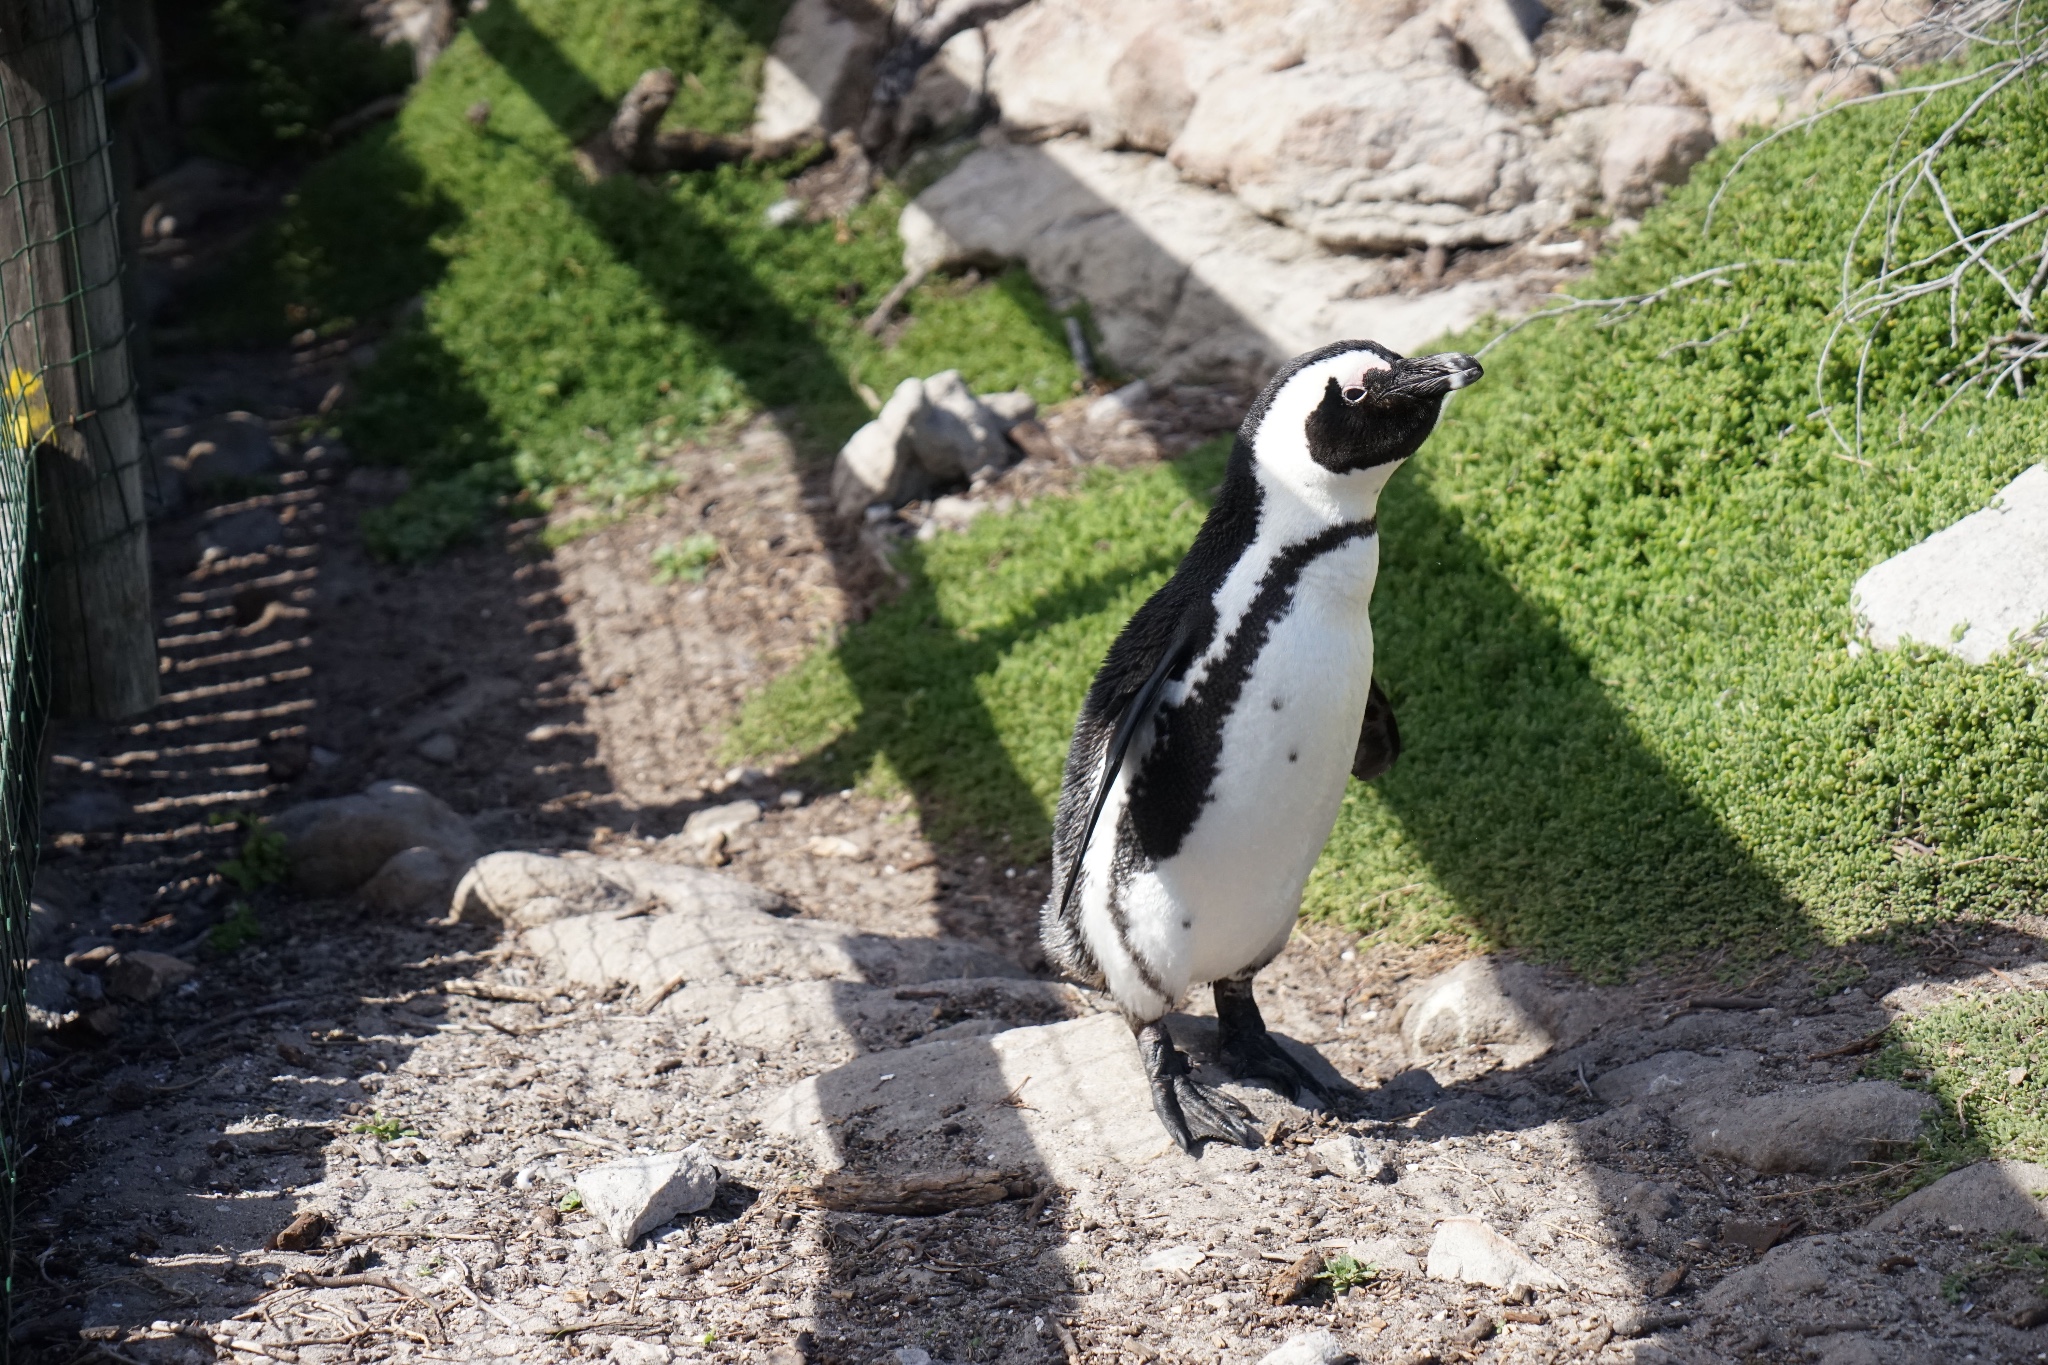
1354,394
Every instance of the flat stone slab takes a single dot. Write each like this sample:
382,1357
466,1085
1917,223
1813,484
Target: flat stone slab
1184,280
1990,1197
835,1021
745,947
1972,589
522,889
1821,1128
1060,1100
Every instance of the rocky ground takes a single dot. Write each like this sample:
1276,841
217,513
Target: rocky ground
373,1117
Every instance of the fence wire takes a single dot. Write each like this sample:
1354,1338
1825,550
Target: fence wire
75,628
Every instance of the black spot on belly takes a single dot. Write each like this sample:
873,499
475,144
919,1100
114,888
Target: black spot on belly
1292,755
1276,703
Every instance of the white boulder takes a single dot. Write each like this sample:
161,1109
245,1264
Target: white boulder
1974,589
1499,33
1584,80
1809,16
1745,69
953,435
1319,1347
1883,28
1365,160
1651,147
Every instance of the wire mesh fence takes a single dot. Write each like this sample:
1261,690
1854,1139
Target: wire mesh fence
75,628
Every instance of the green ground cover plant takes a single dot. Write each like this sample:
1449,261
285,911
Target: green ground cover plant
1613,612
1983,1057
548,332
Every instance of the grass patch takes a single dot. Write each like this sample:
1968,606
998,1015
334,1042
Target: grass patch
548,332
685,560
1983,1057
1612,611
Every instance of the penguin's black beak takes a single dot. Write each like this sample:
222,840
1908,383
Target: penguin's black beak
1433,376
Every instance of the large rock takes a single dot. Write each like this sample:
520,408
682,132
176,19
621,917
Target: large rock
1883,29
1319,1347
953,435
1745,69
1508,1004
1578,79
1369,160
1649,148
1050,63
1823,1128
526,889
949,92
142,975
1183,281
1990,1198
1499,33
336,845
1152,86
1973,589
821,71
1809,16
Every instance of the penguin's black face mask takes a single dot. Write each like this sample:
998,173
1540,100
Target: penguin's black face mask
1384,414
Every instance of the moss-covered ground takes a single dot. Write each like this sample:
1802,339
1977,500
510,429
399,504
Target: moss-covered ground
1613,612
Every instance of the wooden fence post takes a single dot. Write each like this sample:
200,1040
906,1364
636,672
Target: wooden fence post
70,393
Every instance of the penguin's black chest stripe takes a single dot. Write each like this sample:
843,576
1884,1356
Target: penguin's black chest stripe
1174,784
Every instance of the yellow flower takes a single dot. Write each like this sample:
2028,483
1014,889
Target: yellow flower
27,410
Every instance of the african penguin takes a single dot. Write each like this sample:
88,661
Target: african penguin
1211,753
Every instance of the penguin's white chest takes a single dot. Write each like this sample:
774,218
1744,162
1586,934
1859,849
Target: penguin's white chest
1228,899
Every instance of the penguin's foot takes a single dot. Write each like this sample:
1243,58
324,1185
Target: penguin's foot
1191,1113
1249,1052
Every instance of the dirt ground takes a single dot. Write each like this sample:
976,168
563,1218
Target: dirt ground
431,1088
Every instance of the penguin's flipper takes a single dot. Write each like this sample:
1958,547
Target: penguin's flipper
1379,739
1139,708
1191,1113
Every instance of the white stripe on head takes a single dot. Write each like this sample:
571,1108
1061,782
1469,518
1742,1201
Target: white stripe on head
1286,470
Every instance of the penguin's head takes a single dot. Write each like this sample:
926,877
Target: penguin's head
1373,407
1334,424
